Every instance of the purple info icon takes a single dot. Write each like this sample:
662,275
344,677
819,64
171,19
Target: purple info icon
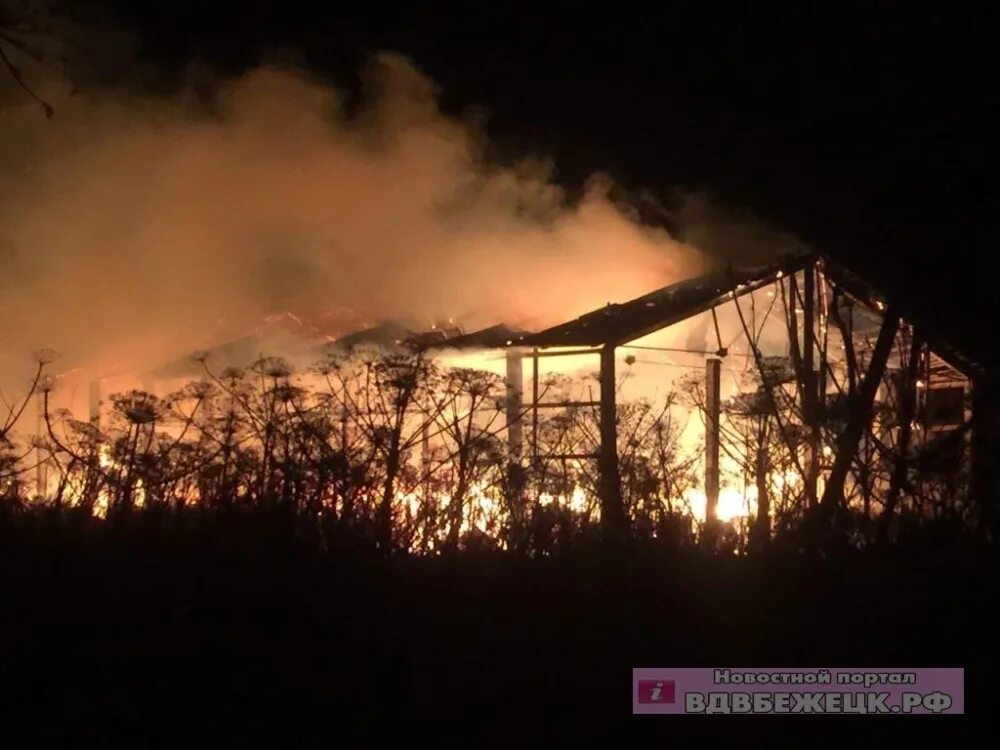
656,691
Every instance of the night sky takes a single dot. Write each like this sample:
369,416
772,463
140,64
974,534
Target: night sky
868,132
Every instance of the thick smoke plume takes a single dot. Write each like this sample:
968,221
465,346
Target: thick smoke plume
137,228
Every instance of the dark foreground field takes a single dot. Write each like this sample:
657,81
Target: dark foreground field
159,631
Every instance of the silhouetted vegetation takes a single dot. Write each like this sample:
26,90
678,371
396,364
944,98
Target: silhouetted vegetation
252,552
397,452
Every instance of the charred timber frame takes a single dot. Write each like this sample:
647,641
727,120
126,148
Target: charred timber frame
617,324
647,320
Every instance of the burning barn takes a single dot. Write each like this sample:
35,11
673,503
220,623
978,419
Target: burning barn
855,405
745,399
835,402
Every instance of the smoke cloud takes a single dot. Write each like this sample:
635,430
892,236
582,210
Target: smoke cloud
138,227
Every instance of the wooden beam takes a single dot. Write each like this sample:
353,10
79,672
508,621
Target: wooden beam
515,406
614,526
712,416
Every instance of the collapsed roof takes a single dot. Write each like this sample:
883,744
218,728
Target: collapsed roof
619,323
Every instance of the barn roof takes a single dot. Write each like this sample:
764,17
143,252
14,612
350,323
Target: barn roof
494,337
620,323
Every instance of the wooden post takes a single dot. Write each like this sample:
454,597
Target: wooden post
810,396
515,439
613,522
534,408
713,372
515,406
